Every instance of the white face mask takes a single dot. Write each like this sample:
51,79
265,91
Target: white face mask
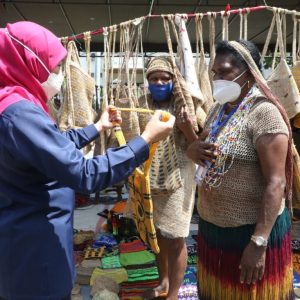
225,91
53,84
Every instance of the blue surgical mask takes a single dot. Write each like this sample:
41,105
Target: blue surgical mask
161,92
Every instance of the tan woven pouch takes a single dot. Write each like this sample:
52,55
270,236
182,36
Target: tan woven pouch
76,111
281,81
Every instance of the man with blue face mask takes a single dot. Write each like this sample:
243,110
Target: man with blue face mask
171,178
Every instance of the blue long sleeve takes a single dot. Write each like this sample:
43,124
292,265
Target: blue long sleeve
38,143
81,137
39,170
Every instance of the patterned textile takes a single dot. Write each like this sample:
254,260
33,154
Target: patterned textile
190,276
111,262
192,259
91,253
188,292
142,274
140,197
135,290
220,250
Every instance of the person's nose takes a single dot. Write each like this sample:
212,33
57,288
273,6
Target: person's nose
159,81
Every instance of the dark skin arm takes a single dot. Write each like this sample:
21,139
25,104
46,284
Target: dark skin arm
200,151
184,123
272,152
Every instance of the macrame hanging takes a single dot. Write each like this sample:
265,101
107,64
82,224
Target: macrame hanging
126,92
225,27
211,16
109,36
87,43
201,66
243,13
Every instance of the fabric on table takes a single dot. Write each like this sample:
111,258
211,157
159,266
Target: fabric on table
136,258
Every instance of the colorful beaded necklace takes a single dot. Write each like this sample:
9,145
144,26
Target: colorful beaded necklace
227,137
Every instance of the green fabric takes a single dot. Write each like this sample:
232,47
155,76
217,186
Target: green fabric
136,258
142,274
236,238
111,262
192,259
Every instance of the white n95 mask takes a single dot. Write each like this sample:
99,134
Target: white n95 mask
225,91
53,84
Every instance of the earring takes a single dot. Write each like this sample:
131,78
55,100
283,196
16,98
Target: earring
248,83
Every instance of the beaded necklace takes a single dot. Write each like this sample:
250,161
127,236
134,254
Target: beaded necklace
227,136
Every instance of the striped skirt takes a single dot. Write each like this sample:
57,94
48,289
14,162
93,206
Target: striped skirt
220,250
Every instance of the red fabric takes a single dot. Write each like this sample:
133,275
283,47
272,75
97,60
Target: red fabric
21,72
134,246
231,260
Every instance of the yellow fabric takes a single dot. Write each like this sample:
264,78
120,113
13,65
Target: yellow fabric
91,253
119,275
140,195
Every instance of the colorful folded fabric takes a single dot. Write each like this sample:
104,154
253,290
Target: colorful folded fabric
188,292
136,258
133,246
135,290
91,253
192,260
148,265
105,240
119,275
111,262
192,249
142,274
190,276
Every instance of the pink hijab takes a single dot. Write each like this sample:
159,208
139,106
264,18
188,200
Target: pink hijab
21,73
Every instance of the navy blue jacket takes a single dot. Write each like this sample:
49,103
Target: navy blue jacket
40,168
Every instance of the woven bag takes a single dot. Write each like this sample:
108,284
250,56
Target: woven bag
283,85
281,81
130,120
76,111
203,73
165,171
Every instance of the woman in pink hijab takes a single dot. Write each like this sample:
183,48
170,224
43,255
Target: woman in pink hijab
40,167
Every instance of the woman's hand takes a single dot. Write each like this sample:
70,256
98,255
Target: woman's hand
109,116
252,264
185,124
156,129
200,151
